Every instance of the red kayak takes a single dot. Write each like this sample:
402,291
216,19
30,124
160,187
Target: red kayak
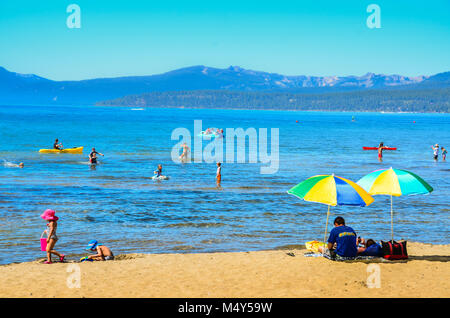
376,148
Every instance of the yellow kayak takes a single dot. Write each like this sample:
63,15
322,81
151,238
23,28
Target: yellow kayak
67,150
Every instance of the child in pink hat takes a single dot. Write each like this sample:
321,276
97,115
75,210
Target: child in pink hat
49,215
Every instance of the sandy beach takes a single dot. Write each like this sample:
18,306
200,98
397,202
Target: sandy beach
279,273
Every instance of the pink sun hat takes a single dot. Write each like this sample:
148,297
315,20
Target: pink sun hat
49,215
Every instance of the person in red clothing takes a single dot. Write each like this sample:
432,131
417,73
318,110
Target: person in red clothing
381,147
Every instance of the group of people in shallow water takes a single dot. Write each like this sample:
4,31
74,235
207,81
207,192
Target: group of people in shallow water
344,242
436,152
102,252
435,148
92,155
157,173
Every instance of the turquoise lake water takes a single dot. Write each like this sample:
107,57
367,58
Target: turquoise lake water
119,204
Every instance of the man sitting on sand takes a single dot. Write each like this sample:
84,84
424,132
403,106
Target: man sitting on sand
103,252
344,237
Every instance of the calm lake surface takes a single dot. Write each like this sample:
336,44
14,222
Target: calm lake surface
117,202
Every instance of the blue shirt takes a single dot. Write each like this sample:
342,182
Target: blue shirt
372,250
345,238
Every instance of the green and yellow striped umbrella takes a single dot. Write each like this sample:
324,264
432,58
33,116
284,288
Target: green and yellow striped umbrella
394,182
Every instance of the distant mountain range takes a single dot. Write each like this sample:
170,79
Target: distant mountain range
24,89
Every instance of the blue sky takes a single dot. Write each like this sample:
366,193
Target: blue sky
321,37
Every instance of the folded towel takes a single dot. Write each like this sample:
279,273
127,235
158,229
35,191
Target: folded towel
356,258
311,254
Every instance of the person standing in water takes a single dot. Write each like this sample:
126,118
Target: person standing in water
184,155
219,174
444,153
93,156
435,152
381,147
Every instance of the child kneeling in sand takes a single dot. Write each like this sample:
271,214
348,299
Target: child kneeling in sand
103,252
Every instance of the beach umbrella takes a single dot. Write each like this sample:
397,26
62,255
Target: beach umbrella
331,190
394,182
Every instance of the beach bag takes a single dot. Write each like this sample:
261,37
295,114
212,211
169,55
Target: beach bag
393,250
43,242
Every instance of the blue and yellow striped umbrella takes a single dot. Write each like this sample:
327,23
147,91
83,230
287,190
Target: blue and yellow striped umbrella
331,190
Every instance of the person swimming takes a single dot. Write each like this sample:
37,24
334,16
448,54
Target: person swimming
12,165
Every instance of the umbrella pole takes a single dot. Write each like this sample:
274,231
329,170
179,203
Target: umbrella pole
326,227
392,222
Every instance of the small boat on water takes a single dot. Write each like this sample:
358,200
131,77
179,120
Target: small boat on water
75,150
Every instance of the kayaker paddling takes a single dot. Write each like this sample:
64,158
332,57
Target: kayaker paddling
57,145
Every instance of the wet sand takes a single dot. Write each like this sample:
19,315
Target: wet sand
280,273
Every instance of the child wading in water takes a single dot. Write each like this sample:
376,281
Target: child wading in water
444,153
219,174
49,215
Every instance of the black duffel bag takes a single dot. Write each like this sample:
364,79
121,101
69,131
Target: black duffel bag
393,250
